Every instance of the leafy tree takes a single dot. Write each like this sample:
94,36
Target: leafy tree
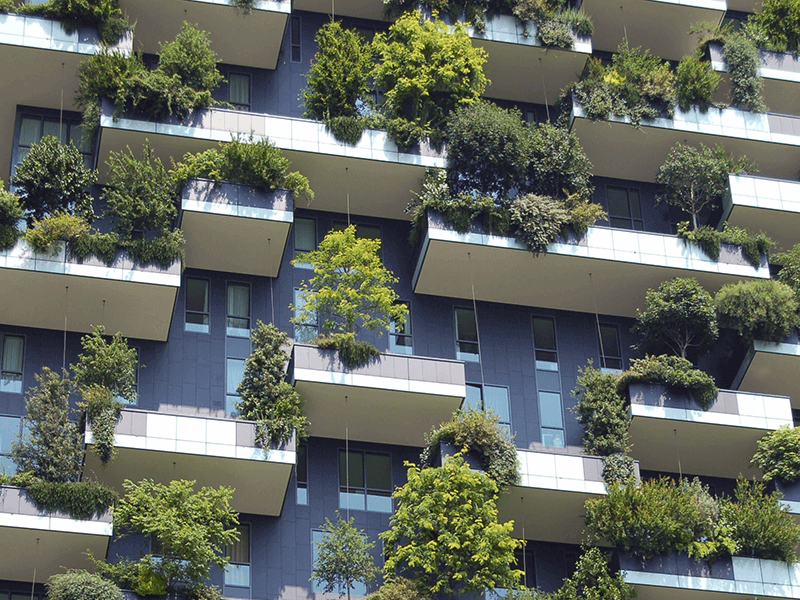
343,557
445,535
190,57
52,178
695,179
10,214
81,585
765,310
51,449
778,454
602,412
778,21
695,82
592,580
558,167
678,318
790,269
425,70
265,396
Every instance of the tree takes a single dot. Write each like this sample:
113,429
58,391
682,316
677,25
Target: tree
592,580
695,179
343,557
265,397
10,214
602,412
679,319
763,309
445,535
52,178
558,167
190,57
51,449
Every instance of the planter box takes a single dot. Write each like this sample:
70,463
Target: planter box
445,450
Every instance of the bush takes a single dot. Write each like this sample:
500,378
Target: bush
554,32
695,83
618,468
764,310
580,22
778,21
592,579
558,166
352,352
190,57
743,60
74,14
398,588
81,585
710,240
790,269
10,214
44,233
478,432
78,499
583,214
537,221
778,454
602,411
676,373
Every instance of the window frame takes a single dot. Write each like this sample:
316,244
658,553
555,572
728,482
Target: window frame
550,367
240,332
358,589
507,425
462,355
345,490
298,251
3,371
247,564
5,456
303,339
238,105
66,120
604,355
202,328
296,39
301,499
633,221
394,334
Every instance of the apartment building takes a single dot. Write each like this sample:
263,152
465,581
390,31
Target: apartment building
539,319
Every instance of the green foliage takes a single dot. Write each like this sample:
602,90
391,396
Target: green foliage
602,412
678,318
265,396
351,288
593,579
583,214
558,166
761,525
81,585
105,15
778,454
45,232
553,31
778,22
695,83
537,221
108,364
743,60
790,269
338,81
10,214
763,309
445,535
425,70
618,468
352,352
710,240
78,499
51,448
190,527
343,557
398,588
676,373
477,432
190,57
52,178
580,22
245,161
246,6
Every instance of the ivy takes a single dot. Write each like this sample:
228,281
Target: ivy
602,411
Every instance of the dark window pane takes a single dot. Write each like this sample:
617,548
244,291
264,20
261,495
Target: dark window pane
466,329
636,209
619,223
609,336
302,465
356,470
544,333
378,469
304,235
197,295
618,202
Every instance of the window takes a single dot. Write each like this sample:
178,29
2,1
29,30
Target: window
363,232
296,47
365,481
234,371
32,128
10,431
466,335
610,352
197,305
302,474
400,335
548,382
544,341
490,397
238,319
239,91
305,239
358,589
12,360
303,332
237,573
624,209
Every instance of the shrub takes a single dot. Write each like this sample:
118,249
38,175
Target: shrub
81,585
580,22
477,432
398,588
583,214
710,240
554,32
592,579
695,83
742,58
618,468
537,221
778,21
764,310
602,411
74,14
78,499
558,166
190,57
352,352
778,454
676,373
10,214
45,232
789,272
52,178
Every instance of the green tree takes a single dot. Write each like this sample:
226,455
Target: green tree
678,318
81,585
778,21
52,178
558,167
445,533
265,396
790,269
695,179
190,57
10,214
602,412
425,70
695,82
593,581
51,448
764,310
343,557
778,454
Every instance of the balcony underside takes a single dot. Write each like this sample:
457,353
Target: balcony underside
252,40
782,226
660,26
363,9
771,369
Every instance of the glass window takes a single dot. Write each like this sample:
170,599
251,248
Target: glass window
239,91
237,573
400,335
305,239
358,589
365,481
490,397
303,332
466,335
544,342
234,371
238,319
474,397
552,419
301,469
197,305
610,351
34,127
10,431
12,360
624,208
296,40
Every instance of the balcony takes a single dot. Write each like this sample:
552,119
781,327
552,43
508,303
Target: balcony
33,45
41,290
771,368
253,225
679,577
547,505
583,275
781,73
213,452
260,32
362,9
45,542
671,433
334,170
616,149
395,399
762,204
660,25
